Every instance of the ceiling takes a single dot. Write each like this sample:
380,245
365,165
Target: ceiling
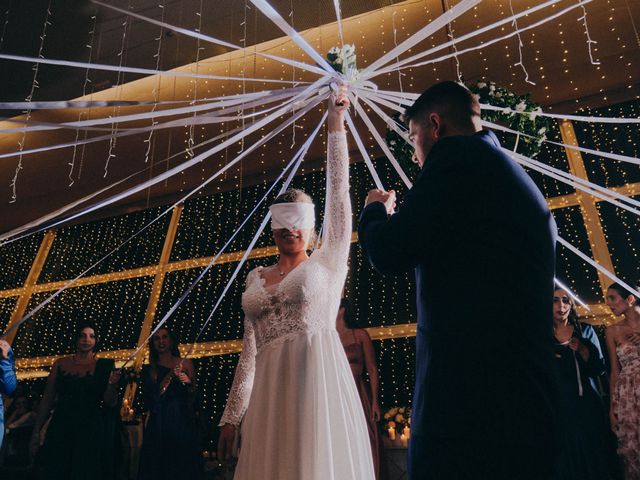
555,55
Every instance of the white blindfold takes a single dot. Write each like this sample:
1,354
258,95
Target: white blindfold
293,216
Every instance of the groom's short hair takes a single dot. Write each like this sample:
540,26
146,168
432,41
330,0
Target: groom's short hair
453,101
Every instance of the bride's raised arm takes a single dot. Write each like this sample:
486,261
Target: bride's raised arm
334,251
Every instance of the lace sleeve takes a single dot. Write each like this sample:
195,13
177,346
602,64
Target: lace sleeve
334,251
238,399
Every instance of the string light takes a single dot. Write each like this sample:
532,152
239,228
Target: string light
6,307
620,228
16,259
78,246
115,308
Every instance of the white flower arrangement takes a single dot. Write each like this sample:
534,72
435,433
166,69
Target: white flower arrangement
518,112
343,59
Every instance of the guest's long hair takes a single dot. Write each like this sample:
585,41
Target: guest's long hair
623,291
153,354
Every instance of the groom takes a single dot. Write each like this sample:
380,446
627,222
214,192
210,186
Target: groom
481,239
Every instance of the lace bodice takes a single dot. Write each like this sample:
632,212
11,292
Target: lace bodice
307,299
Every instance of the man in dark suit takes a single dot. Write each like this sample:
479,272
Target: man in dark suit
482,241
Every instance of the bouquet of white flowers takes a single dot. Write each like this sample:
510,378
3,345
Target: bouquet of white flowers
343,59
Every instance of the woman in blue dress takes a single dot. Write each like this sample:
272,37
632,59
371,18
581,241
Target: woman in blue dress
170,443
582,419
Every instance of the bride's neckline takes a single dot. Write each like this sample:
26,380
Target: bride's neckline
272,287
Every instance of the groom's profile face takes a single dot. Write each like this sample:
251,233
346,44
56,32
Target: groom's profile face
423,138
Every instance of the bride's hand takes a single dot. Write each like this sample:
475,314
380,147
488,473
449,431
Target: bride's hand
338,104
225,441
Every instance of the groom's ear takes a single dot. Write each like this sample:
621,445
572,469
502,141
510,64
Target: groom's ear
436,125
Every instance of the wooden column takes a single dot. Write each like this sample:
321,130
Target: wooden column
588,203
156,289
30,282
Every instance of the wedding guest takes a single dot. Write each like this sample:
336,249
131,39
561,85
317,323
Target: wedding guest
21,413
8,380
362,360
583,430
19,424
623,343
485,390
82,391
170,442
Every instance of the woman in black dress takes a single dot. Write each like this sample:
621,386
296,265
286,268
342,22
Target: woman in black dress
82,391
579,361
170,443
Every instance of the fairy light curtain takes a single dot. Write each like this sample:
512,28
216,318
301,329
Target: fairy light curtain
278,105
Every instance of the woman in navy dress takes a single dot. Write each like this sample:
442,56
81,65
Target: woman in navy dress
82,391
170,443
582,419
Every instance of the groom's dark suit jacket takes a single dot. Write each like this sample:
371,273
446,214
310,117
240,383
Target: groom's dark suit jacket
482,241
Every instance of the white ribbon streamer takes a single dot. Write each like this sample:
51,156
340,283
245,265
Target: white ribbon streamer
388,120
165,113
598,153
311,103
336,6
141,71
562,116
204,119
307,105
382,101
597,266
126,132
571,294
573,178
126,193
275,17
383,145
422,34
363,152
496,40
57,213
566,178
210,39
462,38
70,104
170,27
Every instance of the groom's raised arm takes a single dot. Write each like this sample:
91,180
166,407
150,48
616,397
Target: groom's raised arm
388,241
428,216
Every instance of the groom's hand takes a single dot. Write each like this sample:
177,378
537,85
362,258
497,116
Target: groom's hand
382,196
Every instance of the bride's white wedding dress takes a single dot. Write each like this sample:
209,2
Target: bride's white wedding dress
293,389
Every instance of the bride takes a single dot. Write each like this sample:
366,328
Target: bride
293,389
